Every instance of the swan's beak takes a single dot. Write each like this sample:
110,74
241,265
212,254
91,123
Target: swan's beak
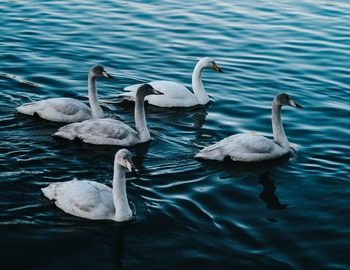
156,92
216,68
106,75
130,165
294,104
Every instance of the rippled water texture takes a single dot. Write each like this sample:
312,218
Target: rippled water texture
293,214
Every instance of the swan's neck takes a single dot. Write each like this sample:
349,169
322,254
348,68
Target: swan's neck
197,85
277,126
96,110
140,118
120,199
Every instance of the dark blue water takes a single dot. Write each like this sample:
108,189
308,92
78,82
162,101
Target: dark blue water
189,214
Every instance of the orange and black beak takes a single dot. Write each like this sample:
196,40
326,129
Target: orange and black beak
216,68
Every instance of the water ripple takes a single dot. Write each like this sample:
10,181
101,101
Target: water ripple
286,215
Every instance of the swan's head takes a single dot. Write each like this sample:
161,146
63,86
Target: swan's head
147,89
208,62
285,99
98,71
124,158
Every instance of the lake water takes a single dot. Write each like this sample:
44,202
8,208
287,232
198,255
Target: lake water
188,214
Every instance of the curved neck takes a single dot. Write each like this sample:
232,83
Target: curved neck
140,118
277,126
120,199
197,85
96,110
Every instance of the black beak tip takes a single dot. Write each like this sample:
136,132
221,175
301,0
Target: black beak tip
296,105
156,92
110,76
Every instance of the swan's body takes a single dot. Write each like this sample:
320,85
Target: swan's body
110,131
68,110
243,147
253,147
92,200
100,132
176,94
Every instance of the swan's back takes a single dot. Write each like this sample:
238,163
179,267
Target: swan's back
174,94
166,87
100,131
242,147
66,110
82,198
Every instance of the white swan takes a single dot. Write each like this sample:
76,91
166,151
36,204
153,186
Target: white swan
69,110
251,146
110,131
92,200
175,94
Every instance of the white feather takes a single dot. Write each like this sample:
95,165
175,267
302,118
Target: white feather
176,94
82,198
101,132
110,131
243,147
92,200
66,110
252,147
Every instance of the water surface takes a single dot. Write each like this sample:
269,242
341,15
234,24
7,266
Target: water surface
293,214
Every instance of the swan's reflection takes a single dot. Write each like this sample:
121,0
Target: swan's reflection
118,247
199,117
261,170
100,153
268,193
178,115
174,115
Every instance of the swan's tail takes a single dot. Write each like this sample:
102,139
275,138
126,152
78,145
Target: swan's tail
54,190
65,135
127,96
210,153
50,191
28,108
67,132
130,92
132,88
